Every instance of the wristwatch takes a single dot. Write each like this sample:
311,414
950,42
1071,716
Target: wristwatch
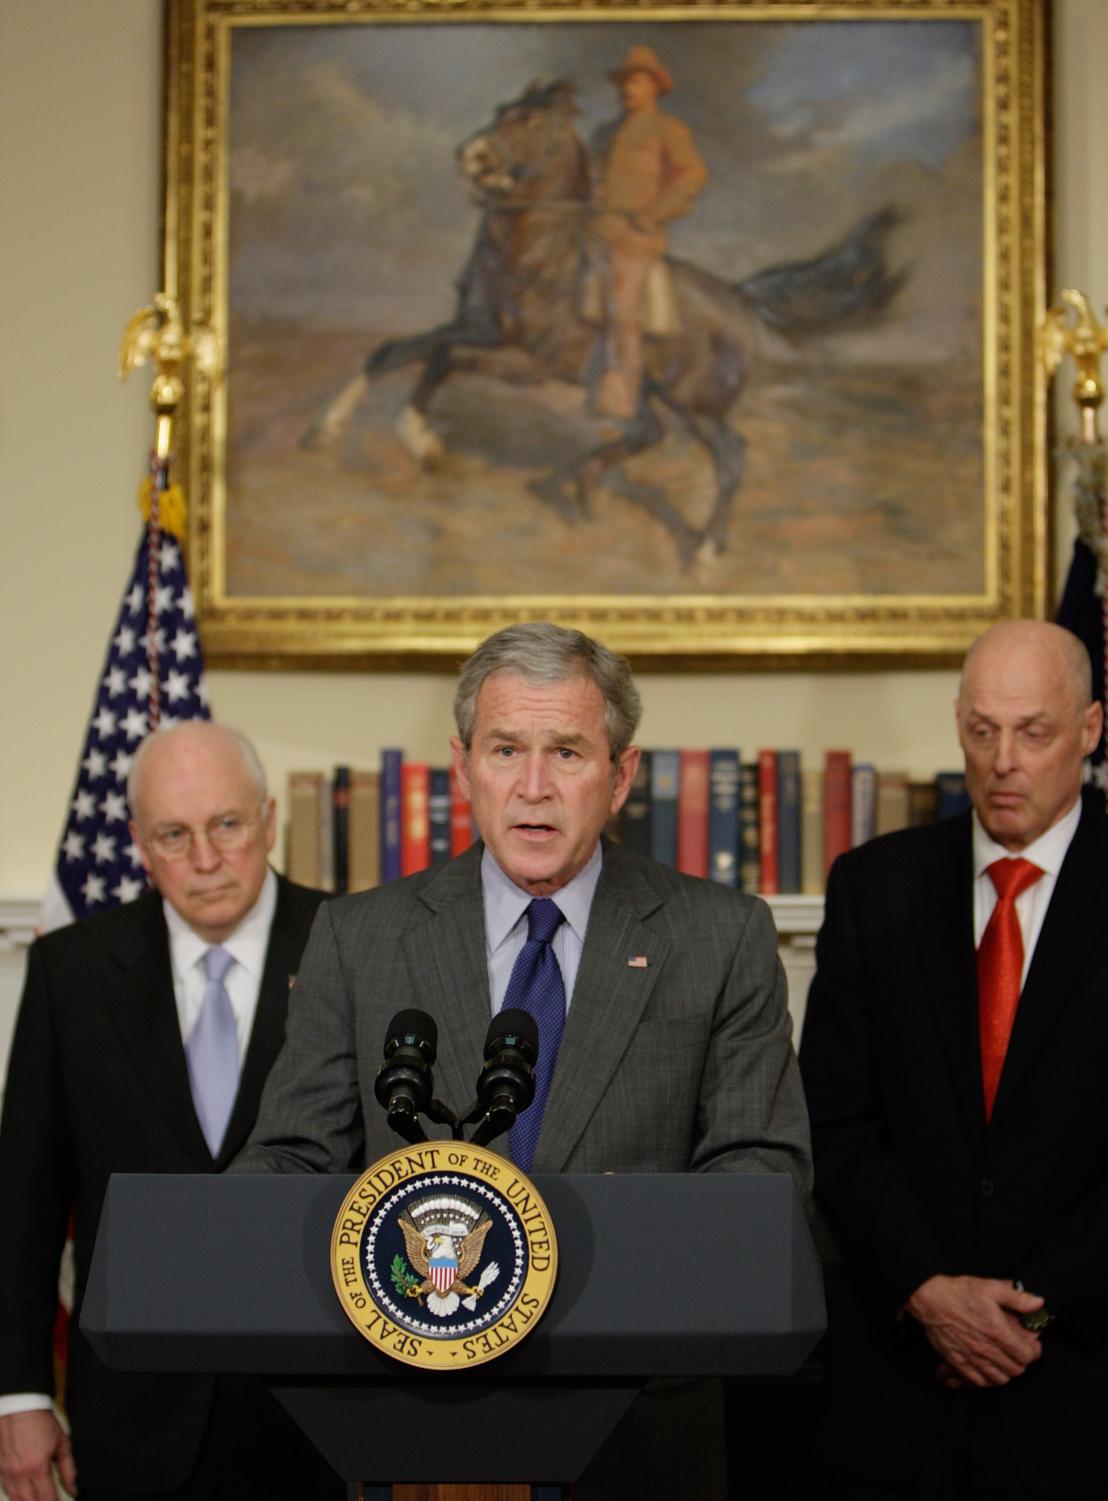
1038,1320
1035,1322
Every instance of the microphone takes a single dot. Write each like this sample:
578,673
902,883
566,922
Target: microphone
404,1081
506,1084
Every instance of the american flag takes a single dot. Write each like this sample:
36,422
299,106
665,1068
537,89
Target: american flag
97,864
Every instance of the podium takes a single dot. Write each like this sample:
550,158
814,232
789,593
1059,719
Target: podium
660,1275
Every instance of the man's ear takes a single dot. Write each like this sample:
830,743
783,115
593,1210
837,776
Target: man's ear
143,853
1094,723
626,767
460,763
270,822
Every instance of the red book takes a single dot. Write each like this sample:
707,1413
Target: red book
837,798
692,814
461,819
415,817
767,822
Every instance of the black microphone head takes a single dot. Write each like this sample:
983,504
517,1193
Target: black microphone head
506,1083
513,1028
413,1029
405,1082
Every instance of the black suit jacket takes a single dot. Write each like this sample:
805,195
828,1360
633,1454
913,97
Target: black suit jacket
98,1084
913,1181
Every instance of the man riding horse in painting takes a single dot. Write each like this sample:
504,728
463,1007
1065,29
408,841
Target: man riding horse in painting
524,313
648,173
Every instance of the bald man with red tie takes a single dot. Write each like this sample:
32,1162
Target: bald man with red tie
953,1058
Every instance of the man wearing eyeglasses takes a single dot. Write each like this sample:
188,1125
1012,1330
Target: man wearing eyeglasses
144,1037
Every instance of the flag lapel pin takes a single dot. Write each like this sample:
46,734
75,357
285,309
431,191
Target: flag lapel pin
638,962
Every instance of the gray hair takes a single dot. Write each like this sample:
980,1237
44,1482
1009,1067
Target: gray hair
544,654
234,738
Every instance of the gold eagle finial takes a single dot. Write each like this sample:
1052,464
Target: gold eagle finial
156,332
1072,329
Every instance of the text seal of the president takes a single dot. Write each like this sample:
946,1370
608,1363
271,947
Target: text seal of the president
444,1255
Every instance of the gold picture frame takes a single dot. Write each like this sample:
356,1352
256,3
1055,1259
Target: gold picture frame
892,492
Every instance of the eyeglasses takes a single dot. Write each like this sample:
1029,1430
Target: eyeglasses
226,835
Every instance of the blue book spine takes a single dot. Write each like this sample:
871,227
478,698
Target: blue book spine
750,835
788,821
439,814
665,774
723,817
953,797
634,821
391,761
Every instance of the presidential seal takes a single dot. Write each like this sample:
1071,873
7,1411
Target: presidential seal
443,1255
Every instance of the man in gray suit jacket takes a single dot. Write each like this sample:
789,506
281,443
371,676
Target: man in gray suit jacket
675,1055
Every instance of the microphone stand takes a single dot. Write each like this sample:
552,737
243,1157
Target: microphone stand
403,1118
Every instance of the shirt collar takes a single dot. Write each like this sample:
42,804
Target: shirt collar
1047,852
505,902
246,945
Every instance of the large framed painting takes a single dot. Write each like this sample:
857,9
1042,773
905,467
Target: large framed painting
706,327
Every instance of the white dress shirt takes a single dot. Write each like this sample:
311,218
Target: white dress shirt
247,944
1047,852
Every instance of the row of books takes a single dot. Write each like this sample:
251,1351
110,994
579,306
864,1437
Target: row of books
769,825
354,829
772,825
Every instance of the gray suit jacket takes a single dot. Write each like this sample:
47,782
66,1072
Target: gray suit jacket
683,1064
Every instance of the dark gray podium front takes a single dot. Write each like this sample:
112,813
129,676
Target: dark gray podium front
659,1275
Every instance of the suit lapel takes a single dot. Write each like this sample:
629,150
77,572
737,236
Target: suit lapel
608,1001
1072,927
448,964
943,918
287,936
145,1014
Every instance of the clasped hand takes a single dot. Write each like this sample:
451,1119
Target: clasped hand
973,1324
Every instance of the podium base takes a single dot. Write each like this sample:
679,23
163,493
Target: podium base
473,1493
479,1436
460,1493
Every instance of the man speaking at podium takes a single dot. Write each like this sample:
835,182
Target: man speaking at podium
659,999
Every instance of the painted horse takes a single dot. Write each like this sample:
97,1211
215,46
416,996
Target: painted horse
519,315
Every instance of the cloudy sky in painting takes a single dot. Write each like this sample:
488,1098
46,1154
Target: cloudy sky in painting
908,94
346,203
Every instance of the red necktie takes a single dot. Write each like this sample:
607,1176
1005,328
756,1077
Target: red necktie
1000,970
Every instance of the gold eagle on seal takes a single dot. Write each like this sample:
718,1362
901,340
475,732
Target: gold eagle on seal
443,1262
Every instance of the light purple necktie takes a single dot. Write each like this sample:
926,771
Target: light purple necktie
213,1053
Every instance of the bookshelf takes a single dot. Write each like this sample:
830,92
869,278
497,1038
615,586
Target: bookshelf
770,825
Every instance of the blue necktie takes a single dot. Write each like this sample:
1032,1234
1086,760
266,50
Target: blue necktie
536,985
212,1051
